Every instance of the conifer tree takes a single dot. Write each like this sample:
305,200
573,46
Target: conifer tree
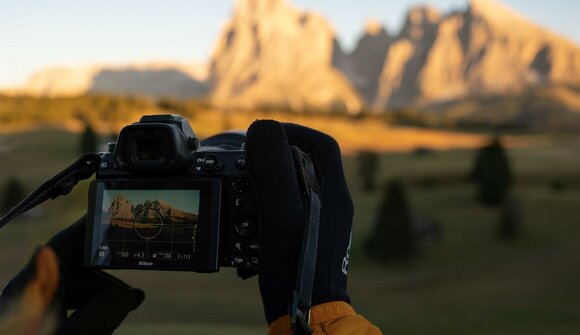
368,166
393,237
13,193
89,140
492,173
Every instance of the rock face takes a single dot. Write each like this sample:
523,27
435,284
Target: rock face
364,65
153,80
486,49
271,54
122,209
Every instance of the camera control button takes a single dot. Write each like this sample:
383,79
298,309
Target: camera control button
105,165
255,246
245,226
255,260
240,163
240,184
210,163
239,247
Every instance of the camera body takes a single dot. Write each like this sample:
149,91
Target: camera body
161,201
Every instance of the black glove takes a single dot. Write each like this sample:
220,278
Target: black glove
101,301
281,213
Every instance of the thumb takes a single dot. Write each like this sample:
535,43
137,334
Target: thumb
101,301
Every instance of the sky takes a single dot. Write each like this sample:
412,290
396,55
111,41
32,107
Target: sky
35,34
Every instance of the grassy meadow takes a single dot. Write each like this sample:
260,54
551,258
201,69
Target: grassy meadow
467,282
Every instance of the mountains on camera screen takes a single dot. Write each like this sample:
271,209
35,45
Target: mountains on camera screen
123,210
272,54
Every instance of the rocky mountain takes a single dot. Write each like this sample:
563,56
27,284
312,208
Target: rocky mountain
152,79
364,65
488,49
123,210
272,54
553,107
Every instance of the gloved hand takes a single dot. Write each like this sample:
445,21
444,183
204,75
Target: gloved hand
101,301
281,213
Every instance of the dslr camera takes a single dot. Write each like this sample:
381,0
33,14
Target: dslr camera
162,200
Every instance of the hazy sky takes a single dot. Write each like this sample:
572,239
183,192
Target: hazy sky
39,33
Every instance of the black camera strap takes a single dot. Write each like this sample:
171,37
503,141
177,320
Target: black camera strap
61,184
302,297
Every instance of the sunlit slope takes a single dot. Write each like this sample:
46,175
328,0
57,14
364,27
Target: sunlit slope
109,114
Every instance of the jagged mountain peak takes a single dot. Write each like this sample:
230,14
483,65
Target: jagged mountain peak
374,27
257,4
420,14
421,21
155,79
272,54
493,9
486,49
252,9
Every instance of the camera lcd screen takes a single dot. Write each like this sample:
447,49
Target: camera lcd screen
164,225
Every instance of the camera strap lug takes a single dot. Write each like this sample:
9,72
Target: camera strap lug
61,184
299,309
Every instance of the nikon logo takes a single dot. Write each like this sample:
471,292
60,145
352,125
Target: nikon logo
145,263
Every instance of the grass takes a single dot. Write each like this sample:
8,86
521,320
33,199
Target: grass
468,282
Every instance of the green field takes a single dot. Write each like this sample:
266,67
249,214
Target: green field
465,283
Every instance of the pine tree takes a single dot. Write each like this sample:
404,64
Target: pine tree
492,173
89,140
393,237
368,166
13,193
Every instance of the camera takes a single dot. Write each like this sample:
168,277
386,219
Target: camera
162,200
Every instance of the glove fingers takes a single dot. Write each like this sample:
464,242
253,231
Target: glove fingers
47,276
103,312
336,213
38,281
14,290
271,165
80,287
68,245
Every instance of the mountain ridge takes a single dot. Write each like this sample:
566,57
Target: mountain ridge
485,49
123,209
273,55
155,79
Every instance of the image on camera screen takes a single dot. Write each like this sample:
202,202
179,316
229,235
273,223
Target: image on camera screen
167,229
142,216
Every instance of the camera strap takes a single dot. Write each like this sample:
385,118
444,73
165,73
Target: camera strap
61,184
302,296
